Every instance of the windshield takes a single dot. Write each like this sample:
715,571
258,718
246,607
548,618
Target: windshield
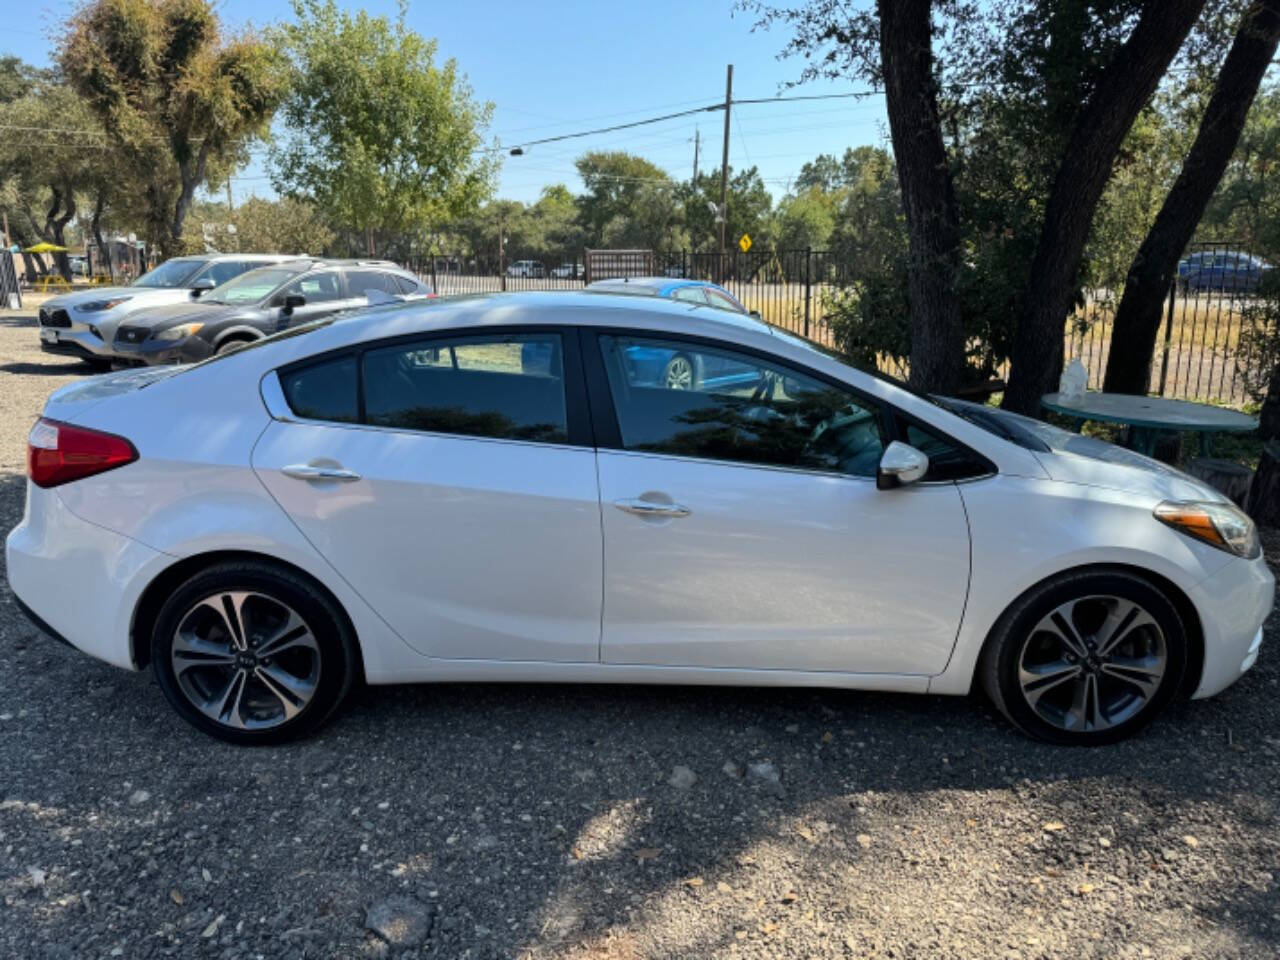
170,274
250,287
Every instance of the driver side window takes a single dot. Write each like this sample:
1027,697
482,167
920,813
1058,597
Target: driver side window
691,400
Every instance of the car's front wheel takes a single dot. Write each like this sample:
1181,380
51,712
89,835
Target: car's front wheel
678,373
252,653
1086,658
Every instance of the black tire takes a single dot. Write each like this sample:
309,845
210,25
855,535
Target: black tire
234,343
1000,665
335,647
96,364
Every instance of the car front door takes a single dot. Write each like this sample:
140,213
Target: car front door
459,498
322,295
743,527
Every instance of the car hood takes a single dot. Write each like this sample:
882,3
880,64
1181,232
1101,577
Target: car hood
138,297
1074,458
174,313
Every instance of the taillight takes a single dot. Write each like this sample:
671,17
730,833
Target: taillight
59,452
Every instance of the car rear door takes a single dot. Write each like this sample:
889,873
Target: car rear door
743,527
457,492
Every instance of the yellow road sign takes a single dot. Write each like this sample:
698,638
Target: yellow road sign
744,242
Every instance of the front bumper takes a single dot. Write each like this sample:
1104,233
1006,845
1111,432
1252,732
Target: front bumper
74,343
154,352
1234,604
80,581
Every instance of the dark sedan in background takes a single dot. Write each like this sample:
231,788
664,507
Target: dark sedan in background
257,304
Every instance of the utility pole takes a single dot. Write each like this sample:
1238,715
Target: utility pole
724,163
697,137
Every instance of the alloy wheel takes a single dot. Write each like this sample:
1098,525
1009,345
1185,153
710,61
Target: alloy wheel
1092,663
245,660
679,374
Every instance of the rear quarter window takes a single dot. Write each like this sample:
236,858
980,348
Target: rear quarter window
324,391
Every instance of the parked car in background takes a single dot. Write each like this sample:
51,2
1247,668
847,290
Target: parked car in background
568,271
530,269
1227,271
674,288
83,324
257,304
399,496
79,264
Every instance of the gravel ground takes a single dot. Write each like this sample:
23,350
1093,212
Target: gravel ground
613,822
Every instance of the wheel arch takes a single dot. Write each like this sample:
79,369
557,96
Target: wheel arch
158,590
238,333
1186,609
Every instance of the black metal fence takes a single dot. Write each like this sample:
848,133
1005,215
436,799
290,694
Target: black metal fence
1196,357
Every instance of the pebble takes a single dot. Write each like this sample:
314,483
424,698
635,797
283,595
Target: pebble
682,778
139,796
403,922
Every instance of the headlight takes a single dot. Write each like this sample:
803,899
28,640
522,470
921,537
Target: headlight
96,306
180,332
1221,525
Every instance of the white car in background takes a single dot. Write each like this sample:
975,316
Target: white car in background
82,324
504,488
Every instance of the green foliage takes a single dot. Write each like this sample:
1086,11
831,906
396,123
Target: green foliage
749,205
178,101
805,220
1246,206
378,134
629,202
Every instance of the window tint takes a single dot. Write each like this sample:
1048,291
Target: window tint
509,387
316,287
360,282
685,399
224,270
718,299
405,284
947,461
691,294
325,391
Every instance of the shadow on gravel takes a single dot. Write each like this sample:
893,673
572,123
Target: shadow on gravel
52,369
547,821
19,321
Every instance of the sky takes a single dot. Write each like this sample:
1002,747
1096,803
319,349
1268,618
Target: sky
562,66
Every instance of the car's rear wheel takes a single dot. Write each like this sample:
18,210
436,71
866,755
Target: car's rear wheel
252,653
1087,658
678,373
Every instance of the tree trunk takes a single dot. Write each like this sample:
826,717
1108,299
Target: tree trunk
95,225
1269,416
1124,87
1137,322
1263,503
937,337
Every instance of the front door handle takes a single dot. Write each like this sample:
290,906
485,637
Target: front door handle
307,471
648,508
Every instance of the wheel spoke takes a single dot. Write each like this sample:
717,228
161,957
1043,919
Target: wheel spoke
293,694
227,708
294,633
1058,623
1041,678
1122,619
1085,712
1144,673
191,651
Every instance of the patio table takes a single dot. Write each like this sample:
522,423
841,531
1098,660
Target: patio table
1150,416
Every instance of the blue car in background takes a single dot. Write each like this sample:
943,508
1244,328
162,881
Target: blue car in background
1229,271
673,369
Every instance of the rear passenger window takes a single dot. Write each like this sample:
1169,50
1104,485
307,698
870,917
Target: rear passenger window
406,285
505,387
324,391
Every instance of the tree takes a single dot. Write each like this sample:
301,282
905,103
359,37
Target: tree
45,184
1246,205
179,104
749,203
628,202
1137,321
1099,129
382,138
928,195
805,220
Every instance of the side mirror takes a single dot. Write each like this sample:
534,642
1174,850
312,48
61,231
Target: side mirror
293,301
200,286
900,464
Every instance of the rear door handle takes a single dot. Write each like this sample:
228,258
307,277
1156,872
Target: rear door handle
307,471
648,508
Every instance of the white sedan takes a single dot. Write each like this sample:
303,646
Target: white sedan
507,488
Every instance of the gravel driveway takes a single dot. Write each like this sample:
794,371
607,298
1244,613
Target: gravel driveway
613,822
